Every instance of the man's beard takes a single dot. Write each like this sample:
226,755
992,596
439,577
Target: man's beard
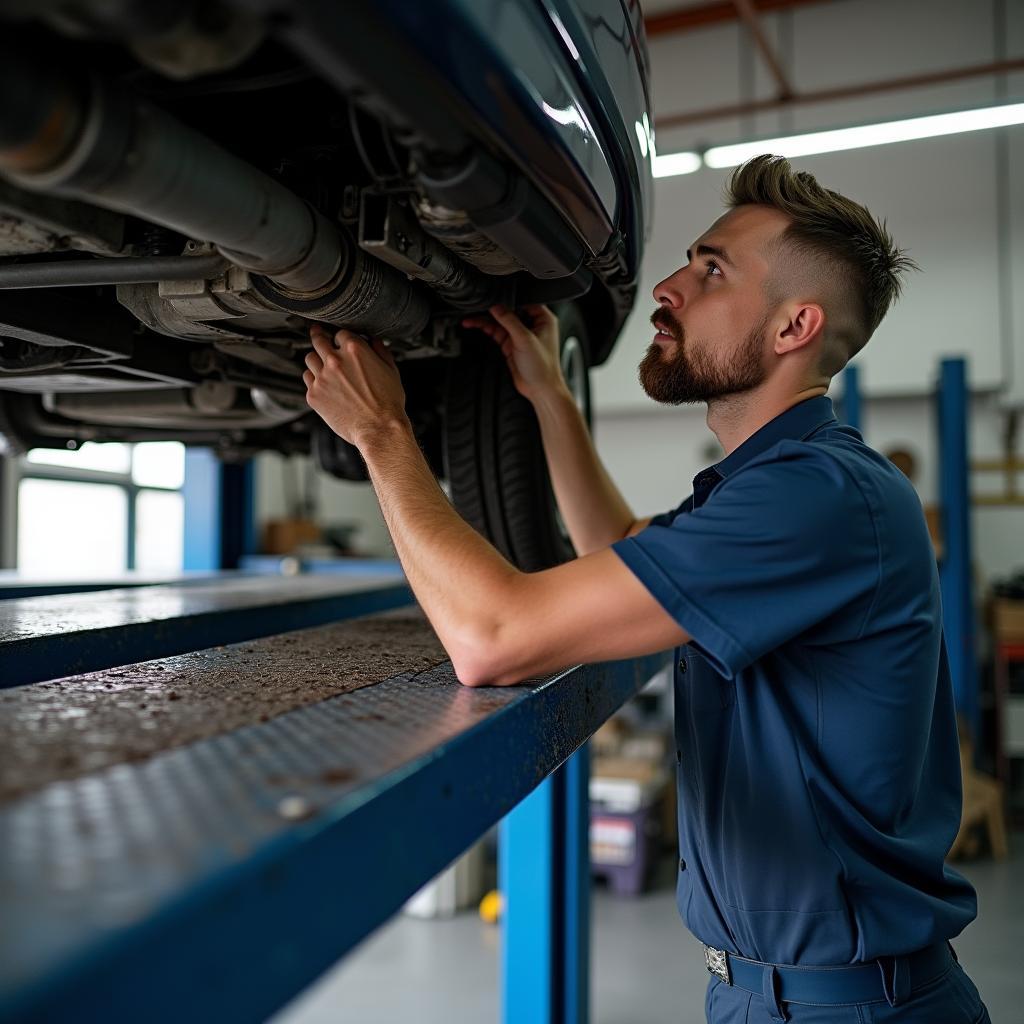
692,376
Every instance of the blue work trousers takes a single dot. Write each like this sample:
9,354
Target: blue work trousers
949,999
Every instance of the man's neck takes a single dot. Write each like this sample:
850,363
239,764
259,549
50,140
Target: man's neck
735,418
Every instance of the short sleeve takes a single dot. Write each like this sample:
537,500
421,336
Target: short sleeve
780,546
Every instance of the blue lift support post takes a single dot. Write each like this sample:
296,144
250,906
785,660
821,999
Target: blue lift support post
228,873
201,493
544,876
220,517
955,576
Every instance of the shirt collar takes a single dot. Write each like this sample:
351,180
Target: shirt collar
796,423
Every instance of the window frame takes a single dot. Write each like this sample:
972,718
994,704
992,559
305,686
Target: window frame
23,469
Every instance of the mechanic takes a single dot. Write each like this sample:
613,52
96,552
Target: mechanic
818,770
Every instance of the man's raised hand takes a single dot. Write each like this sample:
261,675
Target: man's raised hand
531,349
353,385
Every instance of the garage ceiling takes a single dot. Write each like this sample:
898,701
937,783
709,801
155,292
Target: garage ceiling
677,17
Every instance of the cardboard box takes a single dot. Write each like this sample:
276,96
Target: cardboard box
625,785
283,536
1008,621
635,769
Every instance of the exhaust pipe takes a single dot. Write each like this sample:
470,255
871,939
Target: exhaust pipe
124,154
86,141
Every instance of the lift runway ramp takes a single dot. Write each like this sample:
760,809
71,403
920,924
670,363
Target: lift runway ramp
58,635
206,856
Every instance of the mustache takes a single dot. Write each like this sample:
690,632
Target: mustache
665,321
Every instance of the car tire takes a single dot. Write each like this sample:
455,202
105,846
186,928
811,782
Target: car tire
335,456
494,459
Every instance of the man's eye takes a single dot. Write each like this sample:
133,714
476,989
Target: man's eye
713,266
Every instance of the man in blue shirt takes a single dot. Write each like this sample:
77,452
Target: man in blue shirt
819,786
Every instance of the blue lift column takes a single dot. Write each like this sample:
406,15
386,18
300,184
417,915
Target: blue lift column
955,575
544,878
219,511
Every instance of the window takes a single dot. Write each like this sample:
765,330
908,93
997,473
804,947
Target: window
101,509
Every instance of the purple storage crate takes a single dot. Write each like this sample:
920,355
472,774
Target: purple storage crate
621,850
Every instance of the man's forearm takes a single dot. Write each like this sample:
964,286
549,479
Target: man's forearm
460,580
498,625
595,513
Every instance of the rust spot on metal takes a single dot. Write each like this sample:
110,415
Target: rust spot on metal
70,727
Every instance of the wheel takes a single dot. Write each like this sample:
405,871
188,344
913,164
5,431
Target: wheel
494,459
423,381
335,456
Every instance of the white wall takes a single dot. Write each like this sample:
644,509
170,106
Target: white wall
337,501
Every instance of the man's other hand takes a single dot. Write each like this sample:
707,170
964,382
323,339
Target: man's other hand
531,349
353,385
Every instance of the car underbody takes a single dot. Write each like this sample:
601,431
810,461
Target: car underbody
184,188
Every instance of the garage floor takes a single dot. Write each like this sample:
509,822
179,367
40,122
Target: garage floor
647,968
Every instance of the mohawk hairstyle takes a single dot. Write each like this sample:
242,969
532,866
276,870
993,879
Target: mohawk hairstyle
827,226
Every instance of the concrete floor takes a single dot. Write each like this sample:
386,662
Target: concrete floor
647,969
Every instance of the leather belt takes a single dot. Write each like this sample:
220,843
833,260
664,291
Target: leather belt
889,979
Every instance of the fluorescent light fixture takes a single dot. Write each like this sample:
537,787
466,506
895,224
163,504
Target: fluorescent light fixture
671,164
838,139
869,135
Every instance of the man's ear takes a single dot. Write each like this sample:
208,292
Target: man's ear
805,323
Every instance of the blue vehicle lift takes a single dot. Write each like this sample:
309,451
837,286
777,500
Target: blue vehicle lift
955,574
952,399
176,874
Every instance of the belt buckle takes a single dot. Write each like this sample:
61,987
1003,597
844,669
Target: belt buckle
717,963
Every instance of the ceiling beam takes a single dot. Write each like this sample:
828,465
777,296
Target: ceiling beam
686,19
680,120
748,12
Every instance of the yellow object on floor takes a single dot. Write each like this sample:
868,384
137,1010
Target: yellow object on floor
491,907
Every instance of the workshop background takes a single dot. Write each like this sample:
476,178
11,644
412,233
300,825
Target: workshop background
954,342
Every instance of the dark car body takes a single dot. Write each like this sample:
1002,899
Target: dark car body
453,153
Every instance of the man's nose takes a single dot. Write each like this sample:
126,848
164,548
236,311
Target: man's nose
670,291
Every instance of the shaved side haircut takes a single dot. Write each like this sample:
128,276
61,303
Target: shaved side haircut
833,246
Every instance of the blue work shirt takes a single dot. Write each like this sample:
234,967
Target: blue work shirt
819,772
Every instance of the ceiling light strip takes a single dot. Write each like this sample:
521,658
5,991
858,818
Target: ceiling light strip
840,139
